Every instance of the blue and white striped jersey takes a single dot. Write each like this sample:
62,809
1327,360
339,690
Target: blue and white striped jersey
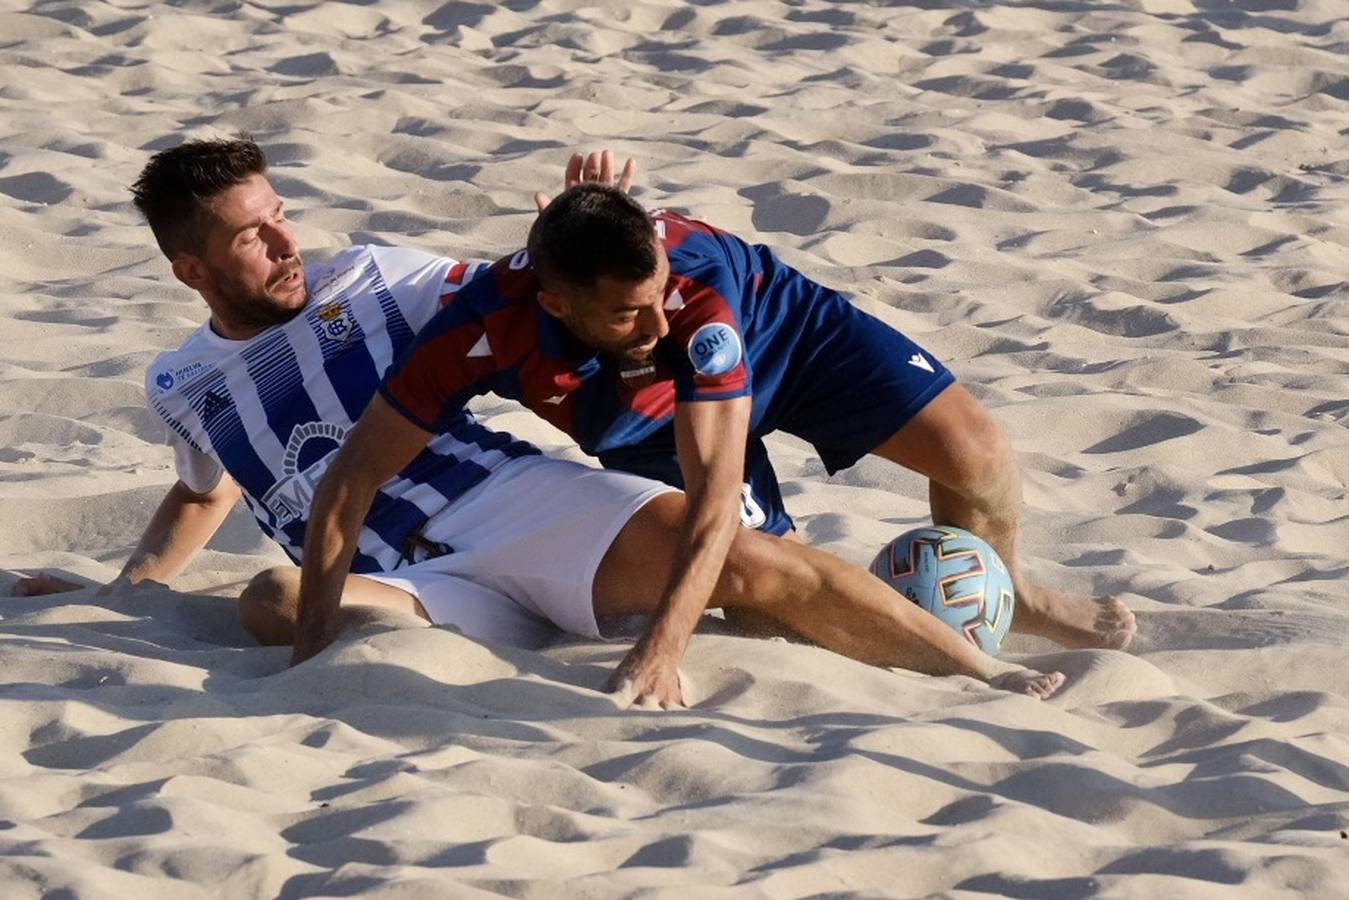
273,409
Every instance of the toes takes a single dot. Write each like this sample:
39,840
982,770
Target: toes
1116,624
1047,685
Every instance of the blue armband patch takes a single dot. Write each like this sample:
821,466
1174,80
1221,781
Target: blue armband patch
714,349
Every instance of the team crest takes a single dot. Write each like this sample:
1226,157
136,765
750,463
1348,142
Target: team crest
636,374
335,322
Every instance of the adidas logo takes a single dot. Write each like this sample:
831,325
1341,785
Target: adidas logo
919,361
555,400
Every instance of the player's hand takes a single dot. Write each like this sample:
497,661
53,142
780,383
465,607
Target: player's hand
42,584
647,677
597,167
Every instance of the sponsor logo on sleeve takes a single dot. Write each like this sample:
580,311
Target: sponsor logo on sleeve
166,379
714,349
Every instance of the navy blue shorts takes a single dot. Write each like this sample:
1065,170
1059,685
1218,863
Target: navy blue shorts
854,382
849,384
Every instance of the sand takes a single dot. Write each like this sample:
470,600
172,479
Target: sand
1122,224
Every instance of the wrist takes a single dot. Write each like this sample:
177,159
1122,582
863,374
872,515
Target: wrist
665,638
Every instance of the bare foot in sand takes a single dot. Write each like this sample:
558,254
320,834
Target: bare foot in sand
42,584
1077,622
1029,682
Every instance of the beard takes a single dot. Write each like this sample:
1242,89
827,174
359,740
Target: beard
628,352
258,309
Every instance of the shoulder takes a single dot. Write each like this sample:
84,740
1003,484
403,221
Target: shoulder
508,282
394,265
677,230
175,367
692,245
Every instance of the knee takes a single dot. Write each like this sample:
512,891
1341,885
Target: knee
982,457
763,571
267,604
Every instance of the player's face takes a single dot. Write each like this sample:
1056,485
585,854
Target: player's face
251,260
623,318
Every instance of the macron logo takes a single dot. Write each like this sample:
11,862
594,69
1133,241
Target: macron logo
919,361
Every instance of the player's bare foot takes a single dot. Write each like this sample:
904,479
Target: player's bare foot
42,584
1039,685
1103,623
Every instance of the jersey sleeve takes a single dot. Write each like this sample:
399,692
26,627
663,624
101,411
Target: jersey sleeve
201,473
449,363
707,338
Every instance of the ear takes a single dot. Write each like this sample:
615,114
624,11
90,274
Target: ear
554,304
191,271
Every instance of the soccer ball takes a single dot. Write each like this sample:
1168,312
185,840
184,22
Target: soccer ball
954,575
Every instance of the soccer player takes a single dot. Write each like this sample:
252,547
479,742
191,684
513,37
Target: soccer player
669,348
467,527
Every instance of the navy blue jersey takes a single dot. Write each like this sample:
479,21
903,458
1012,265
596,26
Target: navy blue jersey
742,323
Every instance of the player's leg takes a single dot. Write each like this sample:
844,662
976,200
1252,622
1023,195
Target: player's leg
873,390
975,484
269,605
817,595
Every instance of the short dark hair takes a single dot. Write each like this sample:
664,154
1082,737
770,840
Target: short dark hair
589,231
174,187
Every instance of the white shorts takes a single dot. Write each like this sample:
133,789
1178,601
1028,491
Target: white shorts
527,542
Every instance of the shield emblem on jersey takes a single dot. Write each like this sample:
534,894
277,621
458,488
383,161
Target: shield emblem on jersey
336,322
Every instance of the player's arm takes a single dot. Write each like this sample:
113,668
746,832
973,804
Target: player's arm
380,444
710,439
183,523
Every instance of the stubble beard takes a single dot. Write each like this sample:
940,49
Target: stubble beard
259,310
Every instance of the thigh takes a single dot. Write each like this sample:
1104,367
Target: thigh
863,383
363,590
471,608
950,440
637,567
539,536
278,588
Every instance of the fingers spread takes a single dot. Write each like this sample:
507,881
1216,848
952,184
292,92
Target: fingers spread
625,179
573,174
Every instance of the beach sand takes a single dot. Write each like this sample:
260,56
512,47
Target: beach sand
1123,225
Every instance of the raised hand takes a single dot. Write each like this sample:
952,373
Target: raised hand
596,167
